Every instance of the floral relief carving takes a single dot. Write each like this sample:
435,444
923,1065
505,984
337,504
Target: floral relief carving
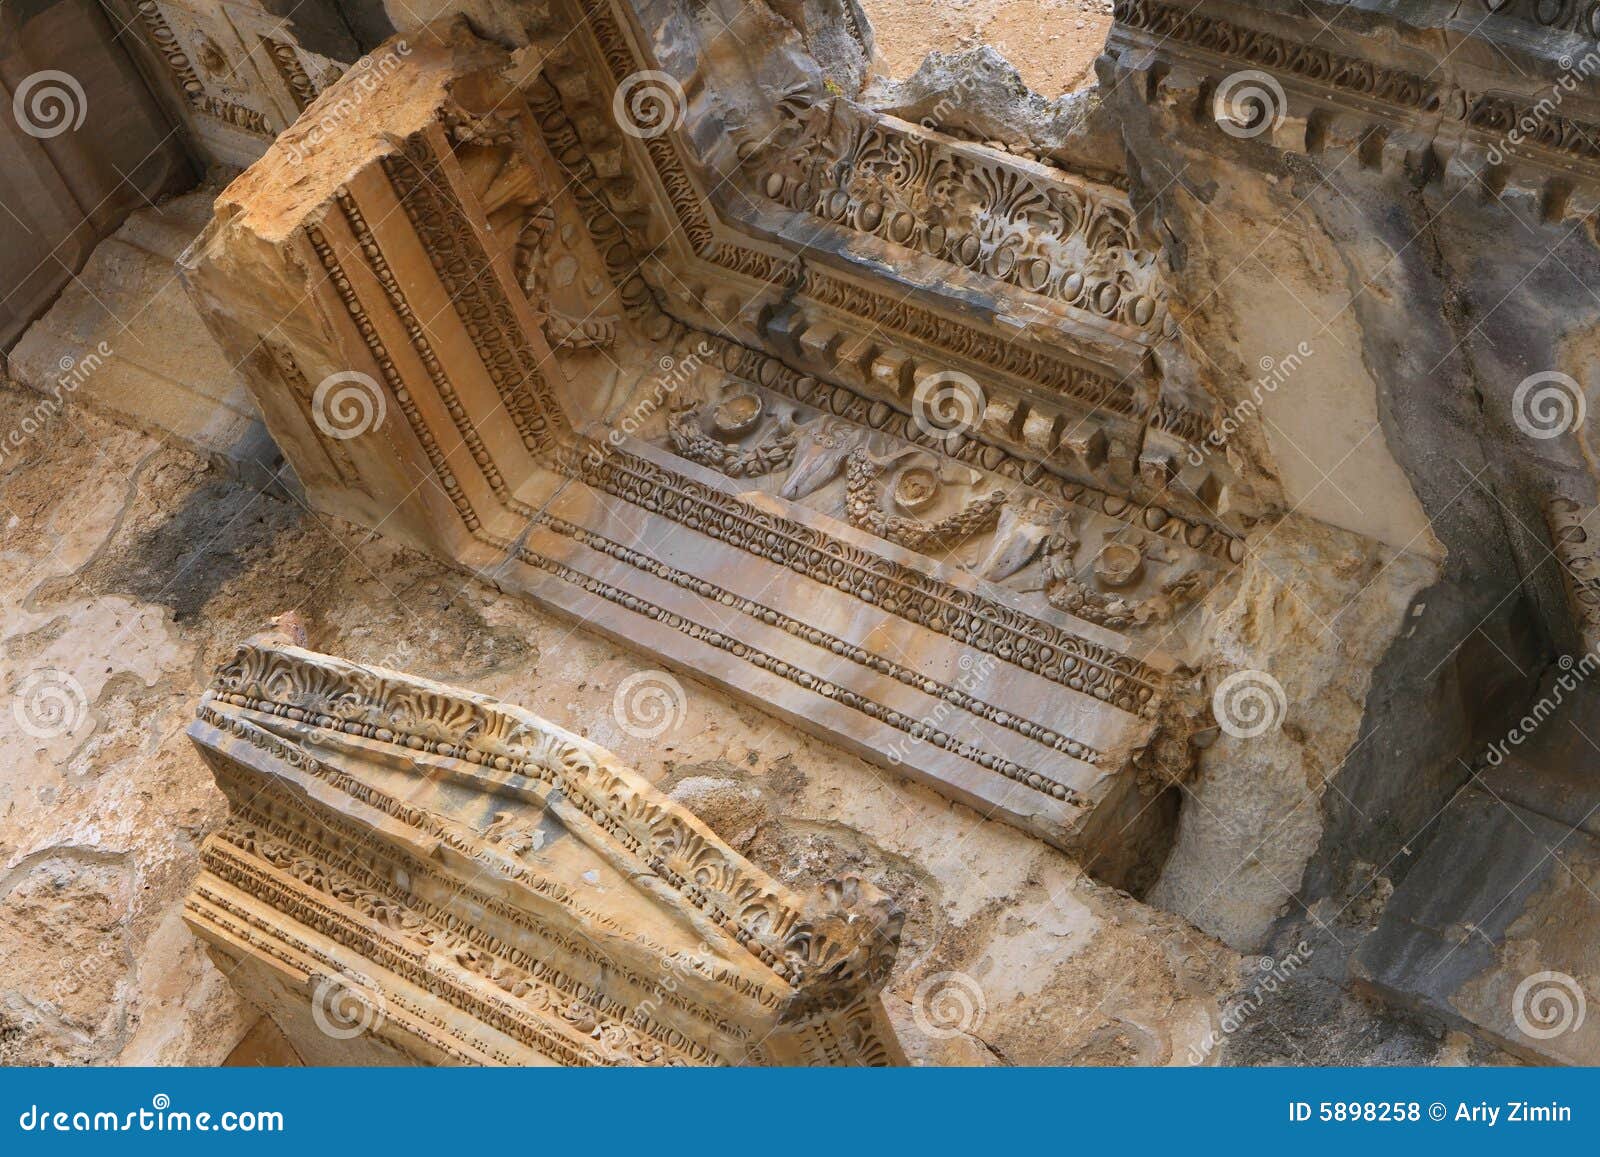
425,263
908,495
1067,241
1507,122
171,50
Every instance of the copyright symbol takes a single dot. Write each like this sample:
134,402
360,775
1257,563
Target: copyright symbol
1436,1111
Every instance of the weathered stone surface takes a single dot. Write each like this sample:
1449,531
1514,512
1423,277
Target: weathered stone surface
1052,43
154,530
235,74
978,93
81,145
124,337
1249,411
461,881
1366,311
102,809
61,941
1493,929
1311,618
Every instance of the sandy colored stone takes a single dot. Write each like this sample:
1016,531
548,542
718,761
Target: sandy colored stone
825,811
1052,43
1349,298
523,400
540,902
124,337
1314,612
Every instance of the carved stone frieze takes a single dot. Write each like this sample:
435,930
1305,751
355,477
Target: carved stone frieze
900,490
1556,15
410,870
236,69
1054,380
1577,543
1020,222
534,392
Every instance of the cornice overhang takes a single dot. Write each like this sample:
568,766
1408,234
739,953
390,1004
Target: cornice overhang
983,610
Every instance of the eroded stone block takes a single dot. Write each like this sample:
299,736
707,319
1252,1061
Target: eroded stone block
1493,930
125,337
412,873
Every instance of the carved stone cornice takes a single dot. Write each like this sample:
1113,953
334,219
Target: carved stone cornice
1576,550
1093,427
1449,93
1036,228
428,260
496,890
1072,365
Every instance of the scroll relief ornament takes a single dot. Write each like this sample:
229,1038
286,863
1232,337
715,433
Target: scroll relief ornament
1015,221
907,494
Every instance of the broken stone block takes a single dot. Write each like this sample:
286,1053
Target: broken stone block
454,339
412,873
1493,930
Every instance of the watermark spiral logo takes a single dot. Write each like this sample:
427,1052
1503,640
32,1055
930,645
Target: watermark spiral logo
1249,703
49,704
648,104
1249,103
948,1004
1548,1004
347,405
49,103
346,1006
648,704
947,404
1548,404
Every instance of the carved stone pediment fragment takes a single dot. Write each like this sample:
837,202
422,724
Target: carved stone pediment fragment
414,872
682,392
1570,525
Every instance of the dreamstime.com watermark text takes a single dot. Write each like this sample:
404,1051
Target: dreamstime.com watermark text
1274,373
1573,674
159,1117
334,115
1271,975
974,674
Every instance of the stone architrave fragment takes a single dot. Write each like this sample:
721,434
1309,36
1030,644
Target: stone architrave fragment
488,318
412,873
